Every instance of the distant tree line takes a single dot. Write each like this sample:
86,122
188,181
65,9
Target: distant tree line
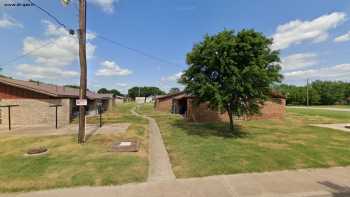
174,90
320,93
107,91
144,92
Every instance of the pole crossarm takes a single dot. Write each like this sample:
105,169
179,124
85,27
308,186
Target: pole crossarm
55,106
9,106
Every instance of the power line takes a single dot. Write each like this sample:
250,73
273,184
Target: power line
136,50
27,53
106,39
49,14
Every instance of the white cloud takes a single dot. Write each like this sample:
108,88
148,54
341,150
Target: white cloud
9,22
343,38
44,72
337,72
298,61
110,68
106,5
52,53
173,77
297,31
63,50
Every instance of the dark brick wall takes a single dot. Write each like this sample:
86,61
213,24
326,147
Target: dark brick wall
274,108
164,105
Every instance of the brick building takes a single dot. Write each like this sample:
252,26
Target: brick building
182,103
35,98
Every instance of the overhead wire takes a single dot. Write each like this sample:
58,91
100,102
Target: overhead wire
138,51
27,53
135,50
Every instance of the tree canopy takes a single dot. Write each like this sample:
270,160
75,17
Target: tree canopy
232,71
112,91
320,93
174,90
144,91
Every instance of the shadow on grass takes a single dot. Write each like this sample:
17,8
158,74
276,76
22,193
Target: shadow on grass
209,129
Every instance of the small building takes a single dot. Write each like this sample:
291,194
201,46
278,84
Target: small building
140,100
184,104
107,101
119,99
150,99
35,98
164,103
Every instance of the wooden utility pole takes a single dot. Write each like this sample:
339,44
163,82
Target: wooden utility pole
83,68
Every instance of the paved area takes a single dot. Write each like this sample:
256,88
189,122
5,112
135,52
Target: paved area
334,126
44,130
324,108
159,162
333,182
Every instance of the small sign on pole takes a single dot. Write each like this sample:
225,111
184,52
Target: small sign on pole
81,102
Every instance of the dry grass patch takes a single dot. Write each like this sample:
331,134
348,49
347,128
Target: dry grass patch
69,164
275,146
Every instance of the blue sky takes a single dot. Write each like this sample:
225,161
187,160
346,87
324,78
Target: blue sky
313,37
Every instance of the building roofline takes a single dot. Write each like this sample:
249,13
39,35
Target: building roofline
12,83
49,89
170,95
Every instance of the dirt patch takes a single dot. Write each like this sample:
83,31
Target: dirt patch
37,151
305,136
297,142
275,146
129,145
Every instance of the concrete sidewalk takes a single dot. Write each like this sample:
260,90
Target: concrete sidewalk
307,183
339,126
159,163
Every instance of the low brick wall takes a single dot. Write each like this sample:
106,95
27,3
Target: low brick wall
164,105
36,111
274,108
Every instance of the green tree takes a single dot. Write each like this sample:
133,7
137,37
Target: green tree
232,71
106,91
144,91
103,91
116,92
331,92
174,90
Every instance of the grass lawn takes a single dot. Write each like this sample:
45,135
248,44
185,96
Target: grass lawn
331,106
198,149
323,106
320,115
69,164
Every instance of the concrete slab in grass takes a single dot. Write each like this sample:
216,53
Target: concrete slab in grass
340,127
